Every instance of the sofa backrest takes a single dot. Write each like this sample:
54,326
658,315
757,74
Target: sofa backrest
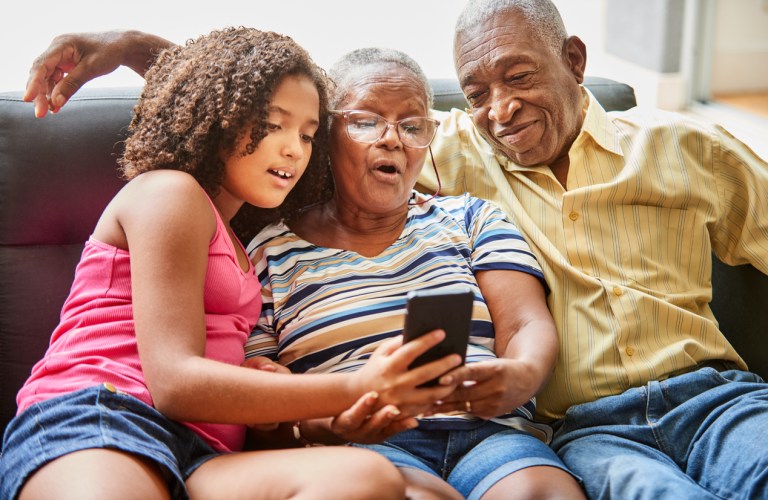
58,173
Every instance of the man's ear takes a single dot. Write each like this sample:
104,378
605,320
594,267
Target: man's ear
575,54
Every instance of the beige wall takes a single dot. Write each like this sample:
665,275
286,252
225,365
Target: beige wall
740,50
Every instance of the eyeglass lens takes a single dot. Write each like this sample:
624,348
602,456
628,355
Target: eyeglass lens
416,132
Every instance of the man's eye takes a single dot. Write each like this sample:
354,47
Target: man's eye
474,98
519,78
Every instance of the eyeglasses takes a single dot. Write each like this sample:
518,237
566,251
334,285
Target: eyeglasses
367,127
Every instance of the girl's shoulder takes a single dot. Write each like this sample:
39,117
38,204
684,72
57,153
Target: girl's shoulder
165,197
172,180
169,200
165,189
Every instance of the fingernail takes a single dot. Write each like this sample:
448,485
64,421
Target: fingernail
394,412
447,380
59,100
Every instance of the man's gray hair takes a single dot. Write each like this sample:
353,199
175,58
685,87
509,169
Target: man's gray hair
347,70
541,15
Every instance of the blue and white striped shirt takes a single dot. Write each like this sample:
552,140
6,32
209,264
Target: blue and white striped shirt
325,310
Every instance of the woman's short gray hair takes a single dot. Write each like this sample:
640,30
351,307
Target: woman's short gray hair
348,69
541,15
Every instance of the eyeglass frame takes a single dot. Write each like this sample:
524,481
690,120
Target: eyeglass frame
344,113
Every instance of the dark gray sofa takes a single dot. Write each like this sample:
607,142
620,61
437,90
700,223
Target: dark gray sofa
58,173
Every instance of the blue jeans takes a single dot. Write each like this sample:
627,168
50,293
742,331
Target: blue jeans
98,417
470,460
699,435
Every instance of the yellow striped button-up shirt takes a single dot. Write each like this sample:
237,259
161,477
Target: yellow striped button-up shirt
626,248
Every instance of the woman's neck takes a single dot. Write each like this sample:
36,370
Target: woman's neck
337,226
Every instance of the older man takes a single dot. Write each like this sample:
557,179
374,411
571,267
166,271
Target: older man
623,211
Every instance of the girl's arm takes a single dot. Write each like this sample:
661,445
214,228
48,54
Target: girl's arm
168,224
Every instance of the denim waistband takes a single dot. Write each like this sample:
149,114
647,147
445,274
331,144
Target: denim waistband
720,365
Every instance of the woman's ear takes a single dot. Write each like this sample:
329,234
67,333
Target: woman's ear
575,55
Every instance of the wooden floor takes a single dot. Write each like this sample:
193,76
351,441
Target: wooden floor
753,102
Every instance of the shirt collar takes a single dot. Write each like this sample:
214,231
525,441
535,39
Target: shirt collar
598,125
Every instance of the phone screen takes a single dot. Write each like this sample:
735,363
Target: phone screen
449,309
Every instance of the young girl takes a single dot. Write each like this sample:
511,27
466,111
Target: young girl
141,393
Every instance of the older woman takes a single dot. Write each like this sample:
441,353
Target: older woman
335,279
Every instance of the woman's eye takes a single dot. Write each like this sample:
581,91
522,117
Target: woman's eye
365,124
307,138
272,127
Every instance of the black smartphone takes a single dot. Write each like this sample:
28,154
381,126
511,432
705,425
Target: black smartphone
449,309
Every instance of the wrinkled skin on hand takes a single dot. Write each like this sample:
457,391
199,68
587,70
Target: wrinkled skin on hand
73,59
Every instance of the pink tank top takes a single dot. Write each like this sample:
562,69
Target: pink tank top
95,341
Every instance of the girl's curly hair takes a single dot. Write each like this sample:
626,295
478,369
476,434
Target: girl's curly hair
201,97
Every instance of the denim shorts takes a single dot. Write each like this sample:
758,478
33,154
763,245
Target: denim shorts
98,417
470,460
698,435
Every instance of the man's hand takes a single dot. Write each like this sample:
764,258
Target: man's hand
73,59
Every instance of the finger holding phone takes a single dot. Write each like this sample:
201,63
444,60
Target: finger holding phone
405,385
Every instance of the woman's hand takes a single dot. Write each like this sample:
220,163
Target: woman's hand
265,364
526,345
490,388
363,423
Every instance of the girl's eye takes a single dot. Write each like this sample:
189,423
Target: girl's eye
307,138
272,127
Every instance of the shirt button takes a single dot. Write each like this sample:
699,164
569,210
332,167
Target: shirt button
573,216
617,291
109,387
630,351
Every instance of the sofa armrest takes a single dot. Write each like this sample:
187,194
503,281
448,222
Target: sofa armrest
738,302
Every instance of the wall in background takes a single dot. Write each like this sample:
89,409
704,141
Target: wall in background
740,48
328,29
422,28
